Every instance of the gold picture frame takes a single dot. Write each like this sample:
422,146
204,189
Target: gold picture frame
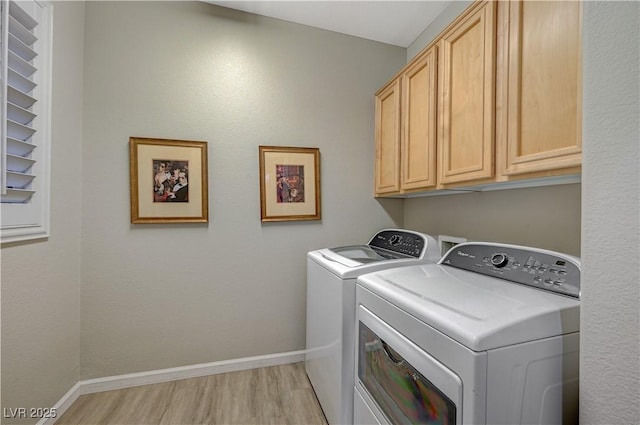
168,181
289,183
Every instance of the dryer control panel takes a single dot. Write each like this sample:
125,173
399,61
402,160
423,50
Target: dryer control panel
542,269
402,242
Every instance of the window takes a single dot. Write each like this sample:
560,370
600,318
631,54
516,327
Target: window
25,77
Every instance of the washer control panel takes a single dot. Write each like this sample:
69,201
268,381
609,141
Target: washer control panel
542,269
402,242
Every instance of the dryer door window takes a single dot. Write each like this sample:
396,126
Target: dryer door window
392,369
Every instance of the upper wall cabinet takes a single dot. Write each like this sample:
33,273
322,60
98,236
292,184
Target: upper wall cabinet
387,166
466,87
406,129
539,95
495,97
418,145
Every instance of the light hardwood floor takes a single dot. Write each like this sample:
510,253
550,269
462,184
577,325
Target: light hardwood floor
270,395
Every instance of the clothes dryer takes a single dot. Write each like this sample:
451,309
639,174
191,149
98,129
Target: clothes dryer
489,335
331,309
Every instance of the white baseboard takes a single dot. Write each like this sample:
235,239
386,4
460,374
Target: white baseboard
62,405
194,371
166,375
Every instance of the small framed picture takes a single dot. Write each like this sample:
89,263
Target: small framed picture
289,183
168,181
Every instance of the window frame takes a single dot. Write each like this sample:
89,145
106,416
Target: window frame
30,220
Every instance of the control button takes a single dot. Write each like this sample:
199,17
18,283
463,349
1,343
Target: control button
499,260
548,282
537,279
395,239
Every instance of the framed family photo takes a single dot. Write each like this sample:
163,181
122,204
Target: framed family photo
168,181
289,183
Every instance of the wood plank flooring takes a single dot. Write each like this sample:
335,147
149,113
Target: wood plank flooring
270,395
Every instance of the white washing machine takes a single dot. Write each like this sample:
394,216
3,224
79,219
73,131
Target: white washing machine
489,335
331,309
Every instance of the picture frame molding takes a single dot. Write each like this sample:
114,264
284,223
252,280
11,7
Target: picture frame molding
266,192
198,212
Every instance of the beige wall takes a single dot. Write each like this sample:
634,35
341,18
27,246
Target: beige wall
41,280
545,217
157,296
610,320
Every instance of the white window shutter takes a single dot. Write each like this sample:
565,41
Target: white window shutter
26,99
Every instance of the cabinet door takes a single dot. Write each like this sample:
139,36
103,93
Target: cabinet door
466,87
388,139
419,123
542,86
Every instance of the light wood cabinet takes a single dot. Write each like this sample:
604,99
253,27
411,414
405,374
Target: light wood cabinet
466,87
540,117
406,129
495,97
418,146
387,134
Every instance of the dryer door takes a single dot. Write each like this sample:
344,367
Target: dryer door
407,384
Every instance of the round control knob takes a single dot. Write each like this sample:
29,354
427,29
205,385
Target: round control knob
499,260
395,240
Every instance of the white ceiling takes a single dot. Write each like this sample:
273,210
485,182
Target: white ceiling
393,22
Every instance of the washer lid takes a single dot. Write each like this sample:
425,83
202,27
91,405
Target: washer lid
480,312
349,267
388,248
356,255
